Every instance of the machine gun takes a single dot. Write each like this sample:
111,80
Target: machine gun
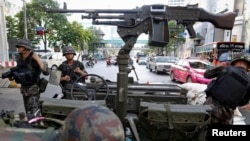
148,19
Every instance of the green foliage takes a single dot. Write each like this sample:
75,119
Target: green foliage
11,24
96,39
58,31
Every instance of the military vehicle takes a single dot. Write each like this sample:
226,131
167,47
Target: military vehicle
125,110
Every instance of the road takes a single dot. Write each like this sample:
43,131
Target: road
10,98
144,75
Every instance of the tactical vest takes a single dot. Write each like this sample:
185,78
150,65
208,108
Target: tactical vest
230,87
69,70
28,71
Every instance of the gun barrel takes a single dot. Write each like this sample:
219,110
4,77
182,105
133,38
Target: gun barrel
93,11
121,17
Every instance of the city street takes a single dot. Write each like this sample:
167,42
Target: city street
10,98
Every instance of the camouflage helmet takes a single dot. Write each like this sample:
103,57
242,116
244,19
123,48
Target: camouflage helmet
68,49
241,57
92,122
24,43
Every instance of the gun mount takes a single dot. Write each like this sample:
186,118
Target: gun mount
152,20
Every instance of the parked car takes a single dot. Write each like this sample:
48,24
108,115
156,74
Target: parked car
161,63
142,61
149,59
54,59
190,70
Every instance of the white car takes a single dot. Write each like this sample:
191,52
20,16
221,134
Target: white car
54,59
142,61
161,63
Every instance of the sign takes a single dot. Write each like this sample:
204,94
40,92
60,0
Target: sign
39,28
231,45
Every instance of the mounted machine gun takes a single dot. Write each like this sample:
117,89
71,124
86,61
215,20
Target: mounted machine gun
155,121
148,19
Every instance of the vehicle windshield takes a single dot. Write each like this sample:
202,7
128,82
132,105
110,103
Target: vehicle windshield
45,56
165,59
201,65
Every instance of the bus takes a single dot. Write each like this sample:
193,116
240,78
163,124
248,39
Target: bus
220,52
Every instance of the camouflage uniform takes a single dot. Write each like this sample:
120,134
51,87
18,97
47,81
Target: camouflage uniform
31,97
220,113
29,88
92,122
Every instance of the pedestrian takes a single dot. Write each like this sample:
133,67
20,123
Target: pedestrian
228,90
27,73
71,70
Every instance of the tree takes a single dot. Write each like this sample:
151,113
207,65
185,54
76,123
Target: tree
58,31
174,30
75,34
96,39
11,24
36,16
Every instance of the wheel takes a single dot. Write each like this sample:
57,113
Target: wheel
172,76
54,67
90,88
156,71
189,80
150,69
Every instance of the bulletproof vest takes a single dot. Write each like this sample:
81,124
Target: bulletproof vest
230,87
28,71
69,70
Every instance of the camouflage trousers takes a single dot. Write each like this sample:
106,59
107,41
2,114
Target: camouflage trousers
31,97
220,115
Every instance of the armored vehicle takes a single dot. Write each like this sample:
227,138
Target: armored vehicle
125,110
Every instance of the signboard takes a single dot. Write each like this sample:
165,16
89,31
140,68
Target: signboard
231,45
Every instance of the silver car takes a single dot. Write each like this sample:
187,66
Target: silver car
161,63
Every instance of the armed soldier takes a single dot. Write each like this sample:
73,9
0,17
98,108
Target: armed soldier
27,73
71,70
230,89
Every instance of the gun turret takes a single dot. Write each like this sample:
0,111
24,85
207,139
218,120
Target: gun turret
148,19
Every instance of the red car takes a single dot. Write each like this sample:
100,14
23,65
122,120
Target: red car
190,70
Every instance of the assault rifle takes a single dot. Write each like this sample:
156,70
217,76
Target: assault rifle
148,19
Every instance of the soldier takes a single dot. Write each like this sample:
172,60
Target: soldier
27,73
92,122
71,69
229,89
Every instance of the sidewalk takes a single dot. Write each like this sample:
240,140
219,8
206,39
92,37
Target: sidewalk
6,83
11,99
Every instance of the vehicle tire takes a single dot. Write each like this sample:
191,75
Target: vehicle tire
189,80
54,67
150,69
156,71
172,77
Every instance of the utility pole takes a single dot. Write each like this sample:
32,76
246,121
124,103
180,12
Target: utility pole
4,47
24,20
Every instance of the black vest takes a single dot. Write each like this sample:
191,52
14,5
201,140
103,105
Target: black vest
230,87
28,71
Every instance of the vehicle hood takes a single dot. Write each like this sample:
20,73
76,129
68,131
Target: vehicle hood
163,63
